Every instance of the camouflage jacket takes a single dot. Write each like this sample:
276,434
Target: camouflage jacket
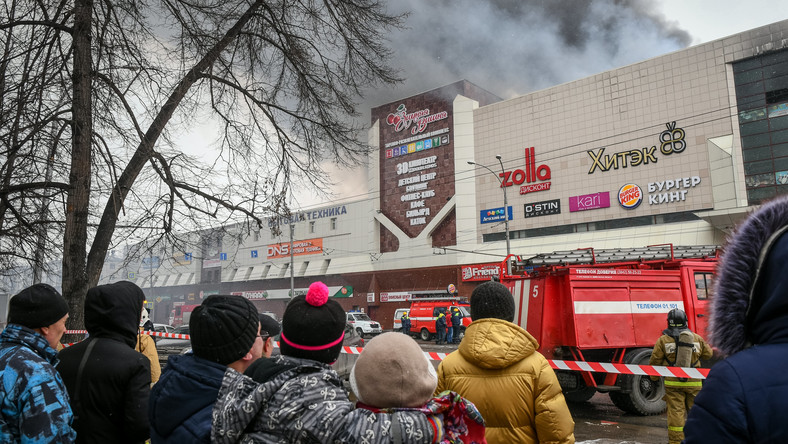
304,403
34,406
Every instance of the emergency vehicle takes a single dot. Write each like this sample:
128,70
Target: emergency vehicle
180,314
609,306
424,311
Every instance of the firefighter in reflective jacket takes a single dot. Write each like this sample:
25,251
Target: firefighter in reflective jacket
405,319
679,347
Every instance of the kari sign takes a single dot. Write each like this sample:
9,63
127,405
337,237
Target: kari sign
494,215
480,272
589,201
308,246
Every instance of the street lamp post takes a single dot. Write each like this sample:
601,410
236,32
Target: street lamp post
505,200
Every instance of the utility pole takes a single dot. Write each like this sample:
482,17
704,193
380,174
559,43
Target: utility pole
505,200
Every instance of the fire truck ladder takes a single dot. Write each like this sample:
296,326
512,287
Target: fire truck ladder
591,256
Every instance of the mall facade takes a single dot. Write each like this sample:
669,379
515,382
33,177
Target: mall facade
672,150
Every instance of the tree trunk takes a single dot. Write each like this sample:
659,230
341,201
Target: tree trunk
75,282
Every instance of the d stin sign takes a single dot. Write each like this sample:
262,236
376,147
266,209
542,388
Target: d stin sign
530,174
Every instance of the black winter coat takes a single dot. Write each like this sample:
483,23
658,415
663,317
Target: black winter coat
745,398
112,403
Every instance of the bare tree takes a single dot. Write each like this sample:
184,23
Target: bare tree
95,128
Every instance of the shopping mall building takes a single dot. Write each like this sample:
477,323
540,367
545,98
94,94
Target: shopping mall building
671,150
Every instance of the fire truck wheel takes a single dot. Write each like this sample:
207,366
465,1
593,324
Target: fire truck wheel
639,395
461,335
425,334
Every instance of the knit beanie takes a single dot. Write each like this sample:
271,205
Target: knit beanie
492,300
393,372
37,306
223,328
313,326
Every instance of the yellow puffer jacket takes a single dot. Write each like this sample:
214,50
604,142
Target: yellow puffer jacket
147,346
498,368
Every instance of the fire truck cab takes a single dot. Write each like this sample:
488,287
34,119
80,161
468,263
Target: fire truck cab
609,306
424,310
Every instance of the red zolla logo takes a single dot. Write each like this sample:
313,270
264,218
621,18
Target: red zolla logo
532,173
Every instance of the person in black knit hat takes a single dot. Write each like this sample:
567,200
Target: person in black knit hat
225,334
298,397
497,366
34,402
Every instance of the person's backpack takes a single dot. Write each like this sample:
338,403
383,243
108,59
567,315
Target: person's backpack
685,345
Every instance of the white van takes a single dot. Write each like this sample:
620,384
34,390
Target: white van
363,324
398,318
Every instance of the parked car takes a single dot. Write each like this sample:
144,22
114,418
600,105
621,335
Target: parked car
161,328
172,346
363,324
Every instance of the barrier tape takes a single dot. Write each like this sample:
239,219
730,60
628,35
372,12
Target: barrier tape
580,366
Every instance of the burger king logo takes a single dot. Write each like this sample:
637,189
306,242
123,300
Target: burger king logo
630,196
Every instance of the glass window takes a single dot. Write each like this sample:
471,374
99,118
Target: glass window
758,195
780,150
754,154
779,123
752,102
777,70
749,89
740,67
756,140
780,136
748,129
759,180
781,164
749,76
703,285
752,115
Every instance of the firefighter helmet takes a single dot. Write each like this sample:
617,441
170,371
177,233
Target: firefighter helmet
677,318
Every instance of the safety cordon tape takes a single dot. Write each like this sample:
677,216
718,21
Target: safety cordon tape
580,366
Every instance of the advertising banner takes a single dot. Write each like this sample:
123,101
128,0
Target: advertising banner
494,215
481,272
302,247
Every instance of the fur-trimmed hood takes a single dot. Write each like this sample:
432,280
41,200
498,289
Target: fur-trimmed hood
750,299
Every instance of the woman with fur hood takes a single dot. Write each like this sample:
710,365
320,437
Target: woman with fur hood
745,396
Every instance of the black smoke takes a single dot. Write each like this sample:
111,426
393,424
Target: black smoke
512,47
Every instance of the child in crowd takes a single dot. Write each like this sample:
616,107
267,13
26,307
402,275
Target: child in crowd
298,398
393,375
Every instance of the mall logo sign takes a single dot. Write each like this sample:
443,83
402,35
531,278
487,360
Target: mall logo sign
401,119
544,208
589,201
529,175
671,141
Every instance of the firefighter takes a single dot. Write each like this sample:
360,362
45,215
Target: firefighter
440,327
454,329
671,347
405,319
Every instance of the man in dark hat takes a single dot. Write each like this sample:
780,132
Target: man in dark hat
499,369
269,329
225,332
34,403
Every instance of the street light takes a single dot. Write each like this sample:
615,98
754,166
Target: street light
505,200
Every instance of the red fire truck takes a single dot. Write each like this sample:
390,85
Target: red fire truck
609,306
180,314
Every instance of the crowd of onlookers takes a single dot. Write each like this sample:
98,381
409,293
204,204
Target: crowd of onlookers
496,387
